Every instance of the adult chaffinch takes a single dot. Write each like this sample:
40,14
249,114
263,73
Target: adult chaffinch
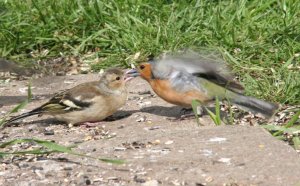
179,79
87,102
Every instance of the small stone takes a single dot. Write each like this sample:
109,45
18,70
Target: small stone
156,142
282,115
175,182
169,142
23,165
144,92
121,127
152,128
69,82
150,183
68,168
225,160
217,139
88,182
142,119
139,180
209,179
48,132
119,148
41,158
112,178
37,168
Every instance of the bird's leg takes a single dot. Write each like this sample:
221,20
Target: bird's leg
90,124
186,113
87,124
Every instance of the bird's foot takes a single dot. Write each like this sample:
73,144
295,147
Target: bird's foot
187,113
87,124
90,124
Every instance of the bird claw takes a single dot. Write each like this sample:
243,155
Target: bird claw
89,124
187,113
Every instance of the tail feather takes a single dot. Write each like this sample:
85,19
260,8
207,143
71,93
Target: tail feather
24,115
256,105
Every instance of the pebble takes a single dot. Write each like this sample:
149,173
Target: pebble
112,178
48,132
209,179
119,148
150,183
225,160
143,104
169,142
37,168
156,142
144,92
68,168
152,128
142,119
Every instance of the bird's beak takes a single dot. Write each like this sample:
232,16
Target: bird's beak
130,74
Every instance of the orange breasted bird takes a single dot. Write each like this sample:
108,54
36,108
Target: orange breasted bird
87,102
179,79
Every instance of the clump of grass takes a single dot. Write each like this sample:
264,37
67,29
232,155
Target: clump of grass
216,117
260,39
290,131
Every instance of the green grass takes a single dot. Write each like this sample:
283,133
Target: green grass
214,116
17,108
48,147
260,39
289,132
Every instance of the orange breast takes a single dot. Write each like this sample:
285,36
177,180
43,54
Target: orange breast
164,90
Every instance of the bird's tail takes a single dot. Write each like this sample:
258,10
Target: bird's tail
255,105
24,115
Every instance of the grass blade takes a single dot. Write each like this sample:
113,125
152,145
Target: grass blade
35,152
296,141
293,120
290,123
52,148
218,112
19,106
112,161
195,104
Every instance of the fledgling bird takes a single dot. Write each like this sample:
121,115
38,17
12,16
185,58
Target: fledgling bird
87,102
179,79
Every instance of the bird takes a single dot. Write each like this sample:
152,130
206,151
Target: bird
183,77
86,102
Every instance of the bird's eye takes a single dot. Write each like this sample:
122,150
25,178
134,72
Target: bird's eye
118,78
142,67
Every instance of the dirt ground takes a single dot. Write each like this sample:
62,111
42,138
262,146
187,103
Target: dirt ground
157,151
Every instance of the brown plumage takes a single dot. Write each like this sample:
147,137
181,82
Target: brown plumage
87,102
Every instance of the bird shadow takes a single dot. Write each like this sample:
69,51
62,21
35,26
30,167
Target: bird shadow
173,111
177,111
122,114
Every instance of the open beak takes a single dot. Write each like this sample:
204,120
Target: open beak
130,74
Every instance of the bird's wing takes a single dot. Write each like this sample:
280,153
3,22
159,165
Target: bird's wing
203,66
77,98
